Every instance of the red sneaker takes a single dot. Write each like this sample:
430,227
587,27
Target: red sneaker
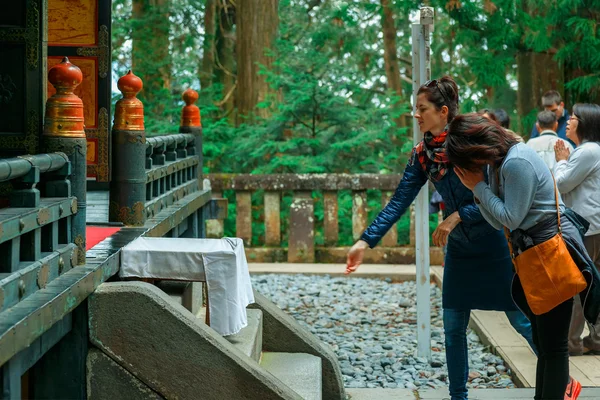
573,390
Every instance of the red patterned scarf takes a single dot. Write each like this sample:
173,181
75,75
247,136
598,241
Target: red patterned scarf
432,155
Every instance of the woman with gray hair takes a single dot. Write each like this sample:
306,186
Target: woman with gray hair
578,180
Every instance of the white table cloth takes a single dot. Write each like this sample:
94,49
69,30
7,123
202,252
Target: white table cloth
221,263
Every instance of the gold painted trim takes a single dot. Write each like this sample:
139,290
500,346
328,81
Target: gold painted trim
101,170
30,35
101,51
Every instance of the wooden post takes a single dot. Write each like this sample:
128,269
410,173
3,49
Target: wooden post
272,219
301,246
359,213
421,73
330,222
243,219
64,132
128,184
391,238
215,228
191,122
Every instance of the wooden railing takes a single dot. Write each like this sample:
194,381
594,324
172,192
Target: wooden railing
301,234
36,242
171,170
155,192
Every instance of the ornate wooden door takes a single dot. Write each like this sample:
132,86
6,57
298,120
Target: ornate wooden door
80,30
22,76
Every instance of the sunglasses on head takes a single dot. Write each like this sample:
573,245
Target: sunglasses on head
434,82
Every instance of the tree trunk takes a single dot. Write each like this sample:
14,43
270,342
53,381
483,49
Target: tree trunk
256,28
390,55
536,74
151,58
225,63
208,55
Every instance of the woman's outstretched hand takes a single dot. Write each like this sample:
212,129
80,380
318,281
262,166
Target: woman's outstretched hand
560,151
469,178
355,256
440,235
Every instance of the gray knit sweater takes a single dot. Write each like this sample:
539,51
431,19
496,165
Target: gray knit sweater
525,195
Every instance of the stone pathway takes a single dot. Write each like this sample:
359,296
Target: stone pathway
441,394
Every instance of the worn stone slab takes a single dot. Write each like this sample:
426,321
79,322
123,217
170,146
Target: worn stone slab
304,182
107,380
272,219
249,339
167,348
243,217
391,237
359,213
442,394
301,241
381,394
498,394
300,371
330,218
282,333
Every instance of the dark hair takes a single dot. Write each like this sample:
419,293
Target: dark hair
503,118
588,116
546,119
443,93
472,137
489,112
551,97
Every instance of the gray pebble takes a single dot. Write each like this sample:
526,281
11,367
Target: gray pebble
370,324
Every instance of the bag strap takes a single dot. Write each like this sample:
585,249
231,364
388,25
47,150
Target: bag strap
557,205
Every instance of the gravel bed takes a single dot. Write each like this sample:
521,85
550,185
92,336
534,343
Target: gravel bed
371,326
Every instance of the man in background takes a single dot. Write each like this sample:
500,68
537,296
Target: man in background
504,120
552,101
547,125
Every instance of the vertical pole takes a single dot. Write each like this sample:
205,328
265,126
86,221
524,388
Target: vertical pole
421,73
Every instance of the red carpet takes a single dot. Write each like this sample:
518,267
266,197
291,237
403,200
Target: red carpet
96,234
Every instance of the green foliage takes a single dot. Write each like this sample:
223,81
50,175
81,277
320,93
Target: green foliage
330,110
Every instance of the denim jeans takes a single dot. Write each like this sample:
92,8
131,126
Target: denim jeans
457,358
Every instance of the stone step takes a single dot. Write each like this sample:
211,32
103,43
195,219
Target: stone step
170,351
301,372
249,339
188,294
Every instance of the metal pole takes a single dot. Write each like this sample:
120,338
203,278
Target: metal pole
422,73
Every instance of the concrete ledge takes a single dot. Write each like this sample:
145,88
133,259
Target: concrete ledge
166,347
283,334
107,380
378,255
396,272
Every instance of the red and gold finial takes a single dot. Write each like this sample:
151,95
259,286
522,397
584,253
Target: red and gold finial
64,110
129,111
190,114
